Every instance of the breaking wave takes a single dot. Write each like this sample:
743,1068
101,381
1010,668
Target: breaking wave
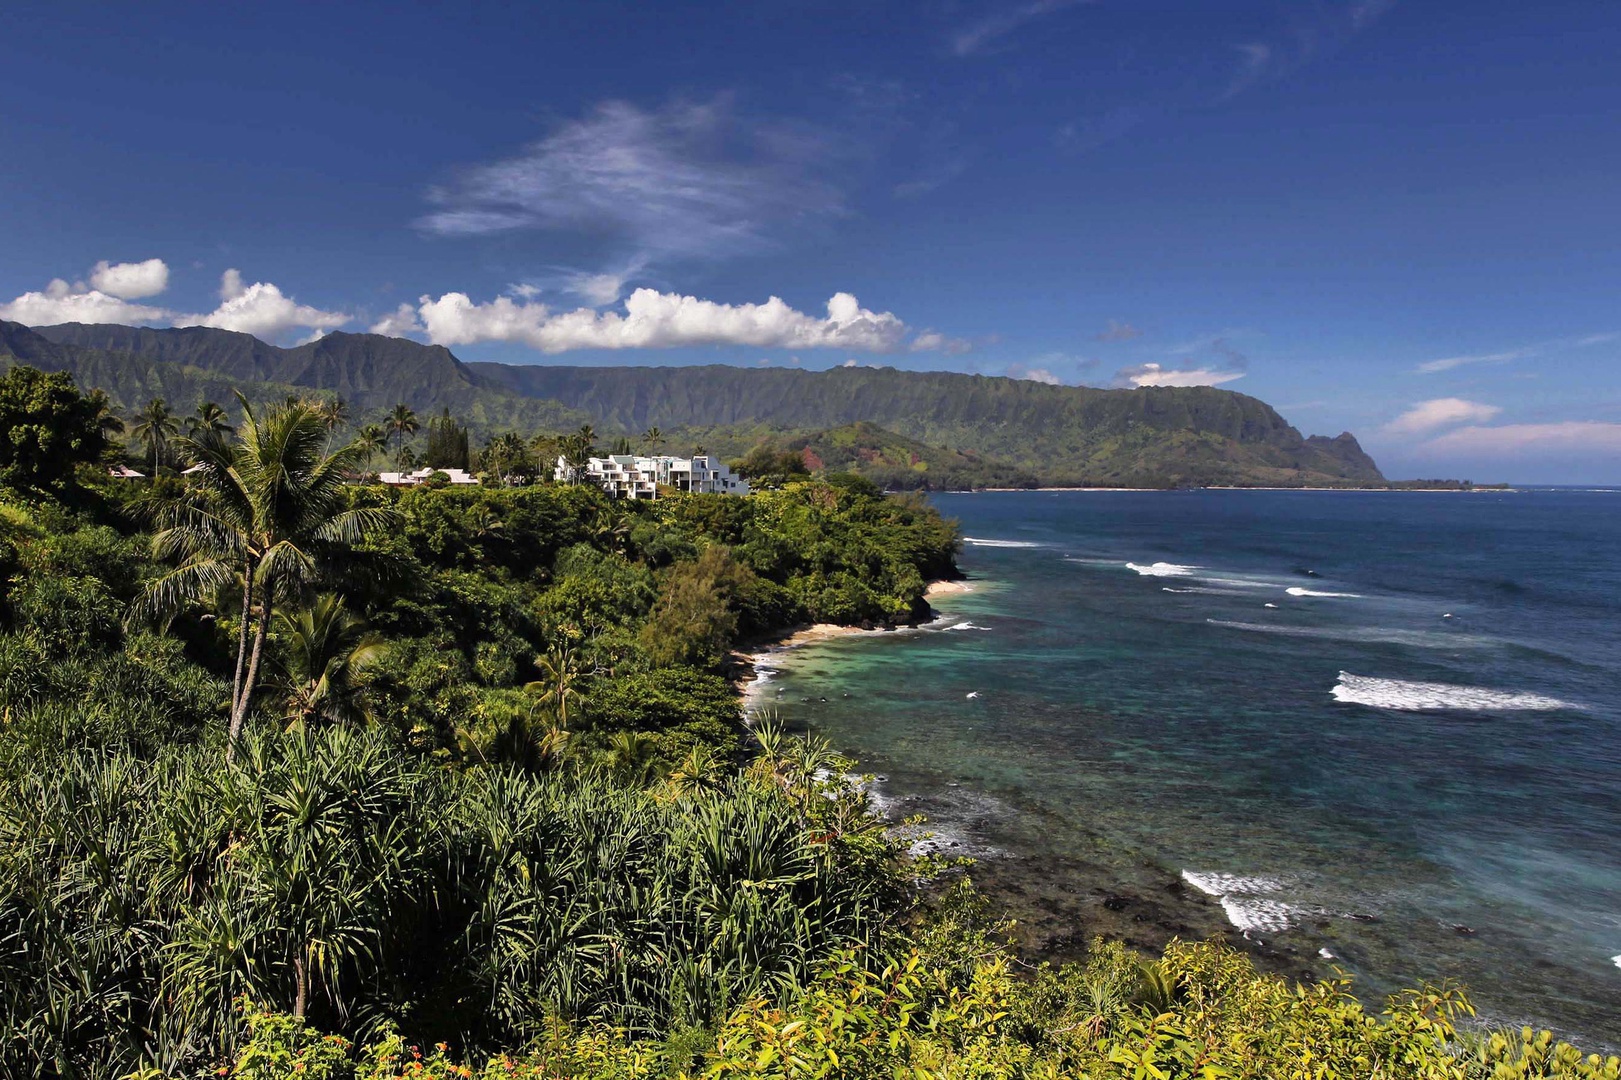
1248,901
978,542
967,626
1296,590
1162,569
1420,639
1406,696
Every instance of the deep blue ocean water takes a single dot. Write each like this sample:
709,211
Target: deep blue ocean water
1313,705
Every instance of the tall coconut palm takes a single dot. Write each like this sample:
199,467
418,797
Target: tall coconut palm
268,517
654,438
325,647
209,421
370,441
402,422
156,426
559,685
335,412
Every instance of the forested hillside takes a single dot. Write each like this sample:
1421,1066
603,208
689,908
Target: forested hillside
1155,437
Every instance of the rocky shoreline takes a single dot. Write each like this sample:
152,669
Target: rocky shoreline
1060,904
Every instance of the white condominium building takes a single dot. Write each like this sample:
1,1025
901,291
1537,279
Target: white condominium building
628,476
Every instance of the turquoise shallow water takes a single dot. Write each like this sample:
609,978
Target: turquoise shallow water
1383,724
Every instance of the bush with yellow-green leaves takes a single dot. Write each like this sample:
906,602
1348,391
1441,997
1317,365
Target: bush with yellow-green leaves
1201,1012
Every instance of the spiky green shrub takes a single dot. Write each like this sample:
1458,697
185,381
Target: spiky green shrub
331,875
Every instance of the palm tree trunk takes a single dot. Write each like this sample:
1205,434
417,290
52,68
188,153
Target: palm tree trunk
242,637
301,994
248,684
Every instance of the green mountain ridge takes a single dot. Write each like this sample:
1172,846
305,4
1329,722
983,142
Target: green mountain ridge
974,424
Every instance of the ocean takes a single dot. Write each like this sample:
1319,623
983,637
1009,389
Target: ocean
1378,732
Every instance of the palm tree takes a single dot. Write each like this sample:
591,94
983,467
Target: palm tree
654,438
402,422
208,422
559,683
335,412
155,425
370,440
504,454
107,419
269,519
325,647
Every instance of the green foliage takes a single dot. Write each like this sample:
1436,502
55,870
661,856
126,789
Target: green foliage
447,443
695,619
47,428
334,876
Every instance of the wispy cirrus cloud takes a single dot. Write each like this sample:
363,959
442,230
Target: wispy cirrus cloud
1118,331
1541,348
688,179
1505,441
990,28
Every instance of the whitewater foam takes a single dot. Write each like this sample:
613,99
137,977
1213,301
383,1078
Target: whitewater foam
1401,695
1296,590
1422,639
1246,900
1162,569
967,626
979,542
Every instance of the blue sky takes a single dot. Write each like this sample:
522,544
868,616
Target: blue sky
1398,218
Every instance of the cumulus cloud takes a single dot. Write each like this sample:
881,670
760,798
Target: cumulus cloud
1033,374
934,341
1507,440
401,322
60,302
1428,416
688,179
105,299
1155,375
652,320
261,309
130,281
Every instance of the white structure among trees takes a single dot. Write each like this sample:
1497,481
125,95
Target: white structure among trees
629,476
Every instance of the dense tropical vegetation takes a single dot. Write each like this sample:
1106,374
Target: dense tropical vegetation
306,776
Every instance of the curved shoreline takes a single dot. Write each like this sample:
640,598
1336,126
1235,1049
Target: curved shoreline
1058,903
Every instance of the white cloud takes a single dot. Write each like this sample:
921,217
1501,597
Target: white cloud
688,179
654,320
979,36
934,341
401,322
1155,375
1568,436
106,299
1428,416
60,302
130,281
1447,363
261,309
1033,374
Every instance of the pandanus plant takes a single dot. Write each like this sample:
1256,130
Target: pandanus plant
268,516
